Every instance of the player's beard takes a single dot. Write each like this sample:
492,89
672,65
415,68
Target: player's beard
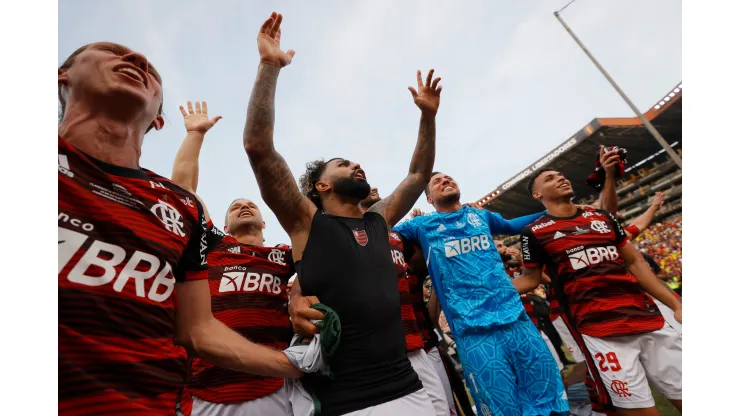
352,188
449,199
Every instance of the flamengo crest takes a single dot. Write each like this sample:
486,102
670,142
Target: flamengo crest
360,237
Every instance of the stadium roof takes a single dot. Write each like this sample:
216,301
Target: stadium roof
576,156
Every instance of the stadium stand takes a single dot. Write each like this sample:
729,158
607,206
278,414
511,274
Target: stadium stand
649,169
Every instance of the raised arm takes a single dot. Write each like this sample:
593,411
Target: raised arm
185,169
644,220
277,184
197,124
397,204
608,200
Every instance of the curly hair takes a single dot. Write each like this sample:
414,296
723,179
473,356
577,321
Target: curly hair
308,180
68,64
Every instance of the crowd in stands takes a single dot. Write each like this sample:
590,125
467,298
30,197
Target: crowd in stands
662,240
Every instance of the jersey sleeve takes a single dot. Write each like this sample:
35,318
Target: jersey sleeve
409,230
533,254
193,264
501,226
621,235
214,235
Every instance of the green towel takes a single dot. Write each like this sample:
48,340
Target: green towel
330,331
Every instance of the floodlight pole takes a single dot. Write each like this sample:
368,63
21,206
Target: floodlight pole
676,158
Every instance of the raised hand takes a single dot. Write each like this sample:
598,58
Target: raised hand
197,120
427,97
268,43
609,159
658,201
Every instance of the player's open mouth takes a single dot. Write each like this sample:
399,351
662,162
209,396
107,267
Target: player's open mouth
360,175
245,214
131,73
566,185
447,188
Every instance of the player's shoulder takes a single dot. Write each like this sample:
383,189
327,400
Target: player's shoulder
541,222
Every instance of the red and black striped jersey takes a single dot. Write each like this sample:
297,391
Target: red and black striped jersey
589,274
125,237
414,340
249,294
423,320
555,309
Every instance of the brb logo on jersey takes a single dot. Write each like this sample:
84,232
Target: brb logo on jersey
98,266
466,245
170,217
580,258
243,281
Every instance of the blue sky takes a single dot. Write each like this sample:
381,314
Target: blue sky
515,84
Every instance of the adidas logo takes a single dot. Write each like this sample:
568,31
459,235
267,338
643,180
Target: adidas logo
558,234
235,250
441,228
64,166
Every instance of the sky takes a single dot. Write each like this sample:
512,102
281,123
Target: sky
515,83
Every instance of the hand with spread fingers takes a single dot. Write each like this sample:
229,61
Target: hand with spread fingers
268,43
427,96
197,120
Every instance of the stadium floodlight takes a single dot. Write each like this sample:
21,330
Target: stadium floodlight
658,137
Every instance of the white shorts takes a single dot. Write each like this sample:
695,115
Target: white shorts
439,367
552,351
416,403
272,404
626,363
669,316
430,379
568,340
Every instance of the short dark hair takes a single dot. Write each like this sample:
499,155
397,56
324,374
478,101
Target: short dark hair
228,209
534,177
67,64
426,188
308,180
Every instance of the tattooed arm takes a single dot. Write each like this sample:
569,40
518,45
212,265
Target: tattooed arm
397,204
277,185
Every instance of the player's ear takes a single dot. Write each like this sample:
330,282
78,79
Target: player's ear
226,229
429,200
323,186
158,123
264,225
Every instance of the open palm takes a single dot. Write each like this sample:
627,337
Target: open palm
196,120
268,42
427,96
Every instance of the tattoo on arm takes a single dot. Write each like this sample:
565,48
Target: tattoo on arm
398,203
277,185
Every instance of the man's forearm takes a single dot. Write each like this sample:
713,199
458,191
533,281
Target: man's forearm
644,220
185,168
609,200
434,308
220,345
422,161
652,285
258,129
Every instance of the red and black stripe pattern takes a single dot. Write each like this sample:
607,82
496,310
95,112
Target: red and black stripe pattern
555,309
249,294
589,274
125,237
414,340
423,320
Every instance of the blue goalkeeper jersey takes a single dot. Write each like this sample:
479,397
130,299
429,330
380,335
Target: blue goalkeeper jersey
466,270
